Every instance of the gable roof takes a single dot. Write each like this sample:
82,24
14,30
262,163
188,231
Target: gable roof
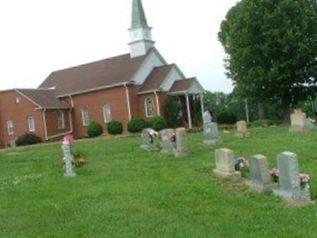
100,74
183,86
43,98
156,78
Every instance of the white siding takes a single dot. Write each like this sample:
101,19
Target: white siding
171,78
152,61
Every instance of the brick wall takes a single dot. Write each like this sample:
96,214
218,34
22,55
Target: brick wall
52,123
94,102
18,112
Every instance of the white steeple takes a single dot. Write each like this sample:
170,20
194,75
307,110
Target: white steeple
140,33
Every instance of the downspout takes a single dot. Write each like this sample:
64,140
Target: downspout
44,123
157,104
128,101
70,114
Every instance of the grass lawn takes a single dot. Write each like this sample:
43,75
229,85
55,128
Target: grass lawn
126,192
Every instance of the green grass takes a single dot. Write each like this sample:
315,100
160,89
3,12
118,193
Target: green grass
126,192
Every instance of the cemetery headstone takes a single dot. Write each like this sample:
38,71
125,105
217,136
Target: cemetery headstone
68,159
290,187
148,140
13,144
207,118
225,164
181,143
242,129
259,173
168,141
298,121
211,134
310,124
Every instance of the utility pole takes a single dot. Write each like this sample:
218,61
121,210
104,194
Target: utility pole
247,110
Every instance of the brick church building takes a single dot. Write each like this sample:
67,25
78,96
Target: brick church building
118,88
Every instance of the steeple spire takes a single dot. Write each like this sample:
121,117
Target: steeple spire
138,15
140,33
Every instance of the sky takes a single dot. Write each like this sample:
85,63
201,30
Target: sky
41,36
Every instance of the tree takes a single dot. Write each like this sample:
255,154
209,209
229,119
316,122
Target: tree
272,49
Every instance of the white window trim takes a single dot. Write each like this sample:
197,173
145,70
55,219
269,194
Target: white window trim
31,125
60,113
146,108
10,126
104,113
83,111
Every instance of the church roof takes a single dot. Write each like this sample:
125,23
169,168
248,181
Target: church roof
93,76
138,15
156,78
43,98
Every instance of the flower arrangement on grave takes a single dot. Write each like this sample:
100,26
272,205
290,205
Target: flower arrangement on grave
274,174
69,138
240,163
304,180
152,134
173,137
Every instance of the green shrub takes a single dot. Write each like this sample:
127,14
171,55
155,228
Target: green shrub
136,125
226,117
158,123
28,139
172,111
94,129
114,128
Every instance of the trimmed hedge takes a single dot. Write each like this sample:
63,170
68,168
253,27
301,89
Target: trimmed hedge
158,123
28,139
136,125
114,128
94,129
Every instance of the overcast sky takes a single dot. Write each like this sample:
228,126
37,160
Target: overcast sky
41,36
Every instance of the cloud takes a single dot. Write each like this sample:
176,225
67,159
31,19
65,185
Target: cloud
38,37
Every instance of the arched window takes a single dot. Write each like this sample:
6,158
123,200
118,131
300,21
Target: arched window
106,112
149,107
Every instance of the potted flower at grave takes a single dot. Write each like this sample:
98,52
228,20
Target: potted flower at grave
304,180
274,175
241,163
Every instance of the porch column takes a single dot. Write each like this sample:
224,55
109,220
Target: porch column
202,104
188,112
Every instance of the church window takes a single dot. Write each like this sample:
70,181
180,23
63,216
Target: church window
85,116
106,111
31,124
149,107
10,127
60,120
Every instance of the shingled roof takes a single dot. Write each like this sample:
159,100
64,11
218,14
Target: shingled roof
156,78
109,72
43,98
182,85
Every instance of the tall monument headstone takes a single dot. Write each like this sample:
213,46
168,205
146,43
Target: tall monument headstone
290,188
68,159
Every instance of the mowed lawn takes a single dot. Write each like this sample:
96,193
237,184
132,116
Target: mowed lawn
126,192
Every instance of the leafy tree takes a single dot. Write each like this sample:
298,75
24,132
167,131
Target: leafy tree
272,49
